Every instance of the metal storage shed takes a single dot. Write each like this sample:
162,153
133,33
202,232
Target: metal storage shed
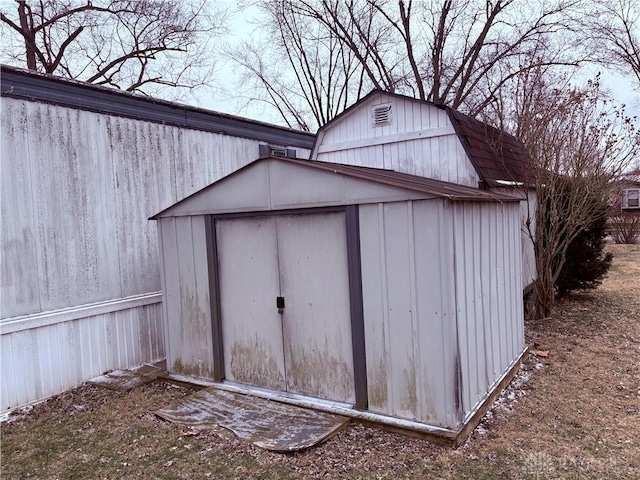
376,294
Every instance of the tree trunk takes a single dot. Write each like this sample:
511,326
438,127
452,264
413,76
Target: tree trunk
28,34
545,293
544,301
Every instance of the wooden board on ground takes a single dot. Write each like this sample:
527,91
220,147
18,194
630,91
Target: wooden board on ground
267,424
123,380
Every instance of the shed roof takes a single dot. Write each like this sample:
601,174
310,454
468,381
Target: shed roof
497,156
401,181
438,188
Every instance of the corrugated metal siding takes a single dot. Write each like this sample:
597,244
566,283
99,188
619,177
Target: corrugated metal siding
77,189
441,157
307,347
42,361
528,207
409,309
488,263
186,296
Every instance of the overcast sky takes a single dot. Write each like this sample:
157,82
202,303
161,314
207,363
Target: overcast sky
243,22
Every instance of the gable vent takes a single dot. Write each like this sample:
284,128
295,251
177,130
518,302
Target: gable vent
381,115
270,151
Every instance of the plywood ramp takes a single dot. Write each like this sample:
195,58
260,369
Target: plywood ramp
267,424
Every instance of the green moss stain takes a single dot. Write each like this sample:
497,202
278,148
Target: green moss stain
255,365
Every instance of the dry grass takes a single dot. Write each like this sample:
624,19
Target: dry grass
573,415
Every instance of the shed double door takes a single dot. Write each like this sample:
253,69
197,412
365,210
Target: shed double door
306,346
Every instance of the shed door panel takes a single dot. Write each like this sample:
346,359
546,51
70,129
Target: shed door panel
307,348
249,285
317,319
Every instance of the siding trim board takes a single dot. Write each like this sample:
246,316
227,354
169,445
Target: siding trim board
357,307
270,213
43,319
214,298
401,137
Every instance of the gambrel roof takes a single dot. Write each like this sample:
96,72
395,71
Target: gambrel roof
498,158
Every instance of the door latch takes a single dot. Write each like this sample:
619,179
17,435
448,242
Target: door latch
280,304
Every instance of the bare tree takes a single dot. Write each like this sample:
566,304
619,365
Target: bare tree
578,143
455,53
297,67
614,28
135,45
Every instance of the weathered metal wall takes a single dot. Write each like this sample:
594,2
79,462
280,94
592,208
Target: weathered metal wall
441,287
420,140
488,270
49,353
442,303
77,188
187,309
528,207
409,308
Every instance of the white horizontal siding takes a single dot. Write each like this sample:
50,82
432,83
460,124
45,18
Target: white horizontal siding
77,189
49,357
408,116
409,310
441,156
490,323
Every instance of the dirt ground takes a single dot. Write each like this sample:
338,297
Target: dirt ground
574,415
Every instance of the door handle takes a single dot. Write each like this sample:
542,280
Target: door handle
280,304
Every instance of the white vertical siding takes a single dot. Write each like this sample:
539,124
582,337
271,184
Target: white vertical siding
488,263
528,206
409,310
187,300
348,140
77,189
50,353
19,253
